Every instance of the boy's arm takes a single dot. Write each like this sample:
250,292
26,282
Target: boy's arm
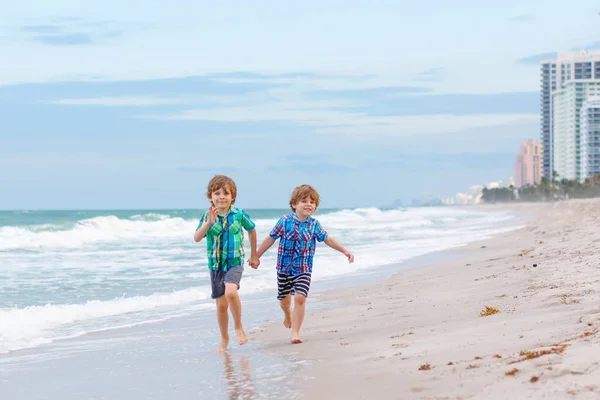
201,232
276,233
334,244
250,227
253,261
207,221
252,236
265,245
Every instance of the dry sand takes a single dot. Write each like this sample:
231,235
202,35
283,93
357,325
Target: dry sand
419,335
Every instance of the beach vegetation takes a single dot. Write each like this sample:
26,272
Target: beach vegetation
564,299
488,311
530,355
546,190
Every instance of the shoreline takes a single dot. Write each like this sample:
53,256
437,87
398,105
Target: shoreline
419,334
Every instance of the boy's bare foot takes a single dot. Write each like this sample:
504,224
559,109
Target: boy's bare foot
241,335
296,339
287,317
223,346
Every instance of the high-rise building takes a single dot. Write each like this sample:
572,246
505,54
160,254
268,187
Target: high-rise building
590,138
578,66
567,104
528,169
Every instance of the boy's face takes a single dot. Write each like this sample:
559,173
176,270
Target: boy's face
305,207
221,199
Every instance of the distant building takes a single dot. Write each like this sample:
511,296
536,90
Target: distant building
590,138
567,107
528,169
579,66
474,193
471,196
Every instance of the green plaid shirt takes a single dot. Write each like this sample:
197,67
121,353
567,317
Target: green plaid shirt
225,239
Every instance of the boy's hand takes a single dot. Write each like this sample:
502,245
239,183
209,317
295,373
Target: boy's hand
212,216
254,262
350,256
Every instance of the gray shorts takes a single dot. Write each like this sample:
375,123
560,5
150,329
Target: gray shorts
218,279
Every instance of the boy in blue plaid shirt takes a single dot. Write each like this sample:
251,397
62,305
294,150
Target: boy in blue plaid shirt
222,225
298,233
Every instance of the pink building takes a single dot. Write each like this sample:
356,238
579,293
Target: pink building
528,170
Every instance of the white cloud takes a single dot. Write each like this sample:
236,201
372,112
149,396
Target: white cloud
119,101
364,39
261,112
336,116
425,124
328,120
318,80
193,100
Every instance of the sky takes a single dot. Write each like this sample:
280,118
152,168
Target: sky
138,104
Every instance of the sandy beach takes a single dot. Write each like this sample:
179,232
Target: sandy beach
424,333
141,332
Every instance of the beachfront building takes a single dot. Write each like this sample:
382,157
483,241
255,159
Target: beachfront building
580,66
528,168
567,104
590,138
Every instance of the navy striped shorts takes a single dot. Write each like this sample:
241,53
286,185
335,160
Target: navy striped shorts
291,284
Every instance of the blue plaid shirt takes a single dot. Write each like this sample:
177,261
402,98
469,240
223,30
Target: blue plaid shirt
297,243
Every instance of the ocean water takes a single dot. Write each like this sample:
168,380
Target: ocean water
67,274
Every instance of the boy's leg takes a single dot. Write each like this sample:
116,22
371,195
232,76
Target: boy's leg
232,285
223,320
301,285
218,293
286,307
284,289
298,316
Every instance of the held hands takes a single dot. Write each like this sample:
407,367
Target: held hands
254,262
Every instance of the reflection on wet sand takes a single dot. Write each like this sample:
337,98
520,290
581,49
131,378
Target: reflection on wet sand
240,385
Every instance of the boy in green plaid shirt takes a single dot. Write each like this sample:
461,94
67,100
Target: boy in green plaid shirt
222,226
